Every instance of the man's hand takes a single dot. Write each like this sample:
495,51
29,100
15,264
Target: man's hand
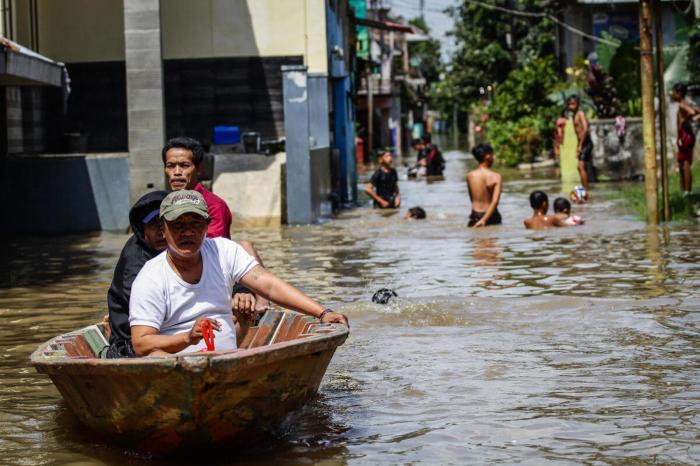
243,302
480,223
335,318
244,307
195,334
383,203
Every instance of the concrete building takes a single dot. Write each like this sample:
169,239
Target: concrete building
143,71
381,77
619,19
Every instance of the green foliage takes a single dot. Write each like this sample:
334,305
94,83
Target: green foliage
493,43
521,117
625,69
694,52
682,209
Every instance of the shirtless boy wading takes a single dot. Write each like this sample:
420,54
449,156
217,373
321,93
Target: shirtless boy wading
484,189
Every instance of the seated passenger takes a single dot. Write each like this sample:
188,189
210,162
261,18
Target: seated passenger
146,242
562,210
540,220
193,280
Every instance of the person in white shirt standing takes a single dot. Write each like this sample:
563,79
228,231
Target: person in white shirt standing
192,281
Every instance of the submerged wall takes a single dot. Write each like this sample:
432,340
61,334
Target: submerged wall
54,194
617,156
252,186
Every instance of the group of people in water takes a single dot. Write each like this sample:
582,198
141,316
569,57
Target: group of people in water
180,269
485,189
485,184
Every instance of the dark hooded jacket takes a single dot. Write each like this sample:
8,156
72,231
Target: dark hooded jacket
135,254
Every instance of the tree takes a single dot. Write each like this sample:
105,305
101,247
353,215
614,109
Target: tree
492,43
424,55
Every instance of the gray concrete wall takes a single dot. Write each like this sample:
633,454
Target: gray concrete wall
144,91
616,157
55,194
306,127
251,185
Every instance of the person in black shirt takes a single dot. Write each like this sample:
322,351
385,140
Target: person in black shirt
434,162
146,243
383,187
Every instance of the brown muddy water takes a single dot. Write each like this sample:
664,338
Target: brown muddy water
505,346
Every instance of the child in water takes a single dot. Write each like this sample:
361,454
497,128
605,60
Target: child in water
383,187
415,213
540,220
562,210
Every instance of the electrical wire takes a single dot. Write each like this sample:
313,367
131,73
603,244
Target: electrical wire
683,12
543,15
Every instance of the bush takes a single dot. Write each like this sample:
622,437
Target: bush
521,118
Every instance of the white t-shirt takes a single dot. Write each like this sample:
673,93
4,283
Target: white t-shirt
164,301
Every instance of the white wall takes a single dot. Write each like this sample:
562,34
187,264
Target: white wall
242,28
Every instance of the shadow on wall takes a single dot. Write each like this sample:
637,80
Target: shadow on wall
68,194
245,91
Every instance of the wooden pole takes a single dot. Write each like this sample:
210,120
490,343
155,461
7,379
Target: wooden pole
647,67
658,35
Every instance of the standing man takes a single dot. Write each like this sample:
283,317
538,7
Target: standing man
193,280
485,188
182,161
687,113
584,148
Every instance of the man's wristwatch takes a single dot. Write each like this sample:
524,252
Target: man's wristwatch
325,311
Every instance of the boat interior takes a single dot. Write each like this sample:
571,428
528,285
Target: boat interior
272,327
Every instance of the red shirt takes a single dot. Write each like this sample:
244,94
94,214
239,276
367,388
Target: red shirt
219,212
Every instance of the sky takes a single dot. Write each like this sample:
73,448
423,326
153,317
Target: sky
438,22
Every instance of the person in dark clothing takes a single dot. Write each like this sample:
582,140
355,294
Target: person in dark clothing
146,242
434,162
383,187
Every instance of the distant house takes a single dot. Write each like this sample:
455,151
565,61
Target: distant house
619,19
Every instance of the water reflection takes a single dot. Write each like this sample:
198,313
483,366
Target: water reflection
505,345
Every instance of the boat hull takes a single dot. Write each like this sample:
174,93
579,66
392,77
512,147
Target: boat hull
163,404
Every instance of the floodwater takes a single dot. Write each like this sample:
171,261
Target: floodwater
508,346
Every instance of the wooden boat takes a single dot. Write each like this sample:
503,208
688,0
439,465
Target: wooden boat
163,404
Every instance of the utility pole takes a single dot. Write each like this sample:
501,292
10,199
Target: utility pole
647,69
662,107
370,110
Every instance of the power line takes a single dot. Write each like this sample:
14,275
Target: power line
543,15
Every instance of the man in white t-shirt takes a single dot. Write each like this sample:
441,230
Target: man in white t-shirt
192,281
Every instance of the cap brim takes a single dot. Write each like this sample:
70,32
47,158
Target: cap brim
174,214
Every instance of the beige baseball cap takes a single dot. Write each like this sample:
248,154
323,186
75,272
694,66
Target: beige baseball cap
182,202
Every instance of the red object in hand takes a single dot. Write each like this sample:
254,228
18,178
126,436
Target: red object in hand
208,334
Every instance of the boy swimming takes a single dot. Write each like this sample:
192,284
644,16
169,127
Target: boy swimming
562,210
540,220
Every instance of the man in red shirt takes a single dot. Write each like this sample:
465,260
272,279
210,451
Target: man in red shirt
182,159
182,162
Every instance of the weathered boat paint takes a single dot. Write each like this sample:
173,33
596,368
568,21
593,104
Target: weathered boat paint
162,404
